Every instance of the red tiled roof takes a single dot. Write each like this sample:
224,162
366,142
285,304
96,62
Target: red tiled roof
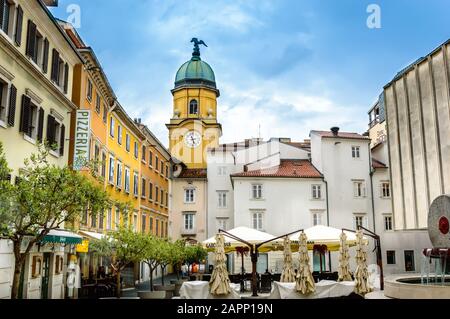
193,173
378,164
287,168
342,135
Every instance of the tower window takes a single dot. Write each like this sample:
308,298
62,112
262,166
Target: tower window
193,107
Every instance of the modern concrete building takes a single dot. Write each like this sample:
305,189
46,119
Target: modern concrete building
401,249
418,124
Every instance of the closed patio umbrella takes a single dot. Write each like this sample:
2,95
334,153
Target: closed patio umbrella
361,274
287,274
344,256
220,283
304,281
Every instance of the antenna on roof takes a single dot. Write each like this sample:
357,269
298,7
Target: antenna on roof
259,131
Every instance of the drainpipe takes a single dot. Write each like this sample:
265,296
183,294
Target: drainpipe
371,171
328,219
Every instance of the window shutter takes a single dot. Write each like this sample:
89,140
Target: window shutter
40,125
45,56
31,39
55,66
50,130
66,77
19,23
12,105
25,114
5,13
2,10
62,140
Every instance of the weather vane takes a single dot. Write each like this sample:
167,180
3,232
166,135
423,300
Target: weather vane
197,42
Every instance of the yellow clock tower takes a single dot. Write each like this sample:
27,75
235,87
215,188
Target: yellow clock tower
193,127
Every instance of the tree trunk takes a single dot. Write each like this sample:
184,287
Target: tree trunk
162,275
177,269
151,277
119,290
18,263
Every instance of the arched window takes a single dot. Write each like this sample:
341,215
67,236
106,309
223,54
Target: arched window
193,107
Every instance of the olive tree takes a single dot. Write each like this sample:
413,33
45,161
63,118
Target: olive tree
44,198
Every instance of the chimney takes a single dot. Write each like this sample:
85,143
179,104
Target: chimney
51,3
335,130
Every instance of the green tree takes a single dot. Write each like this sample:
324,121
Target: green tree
45,198
194,254
124,246
152,255
178,255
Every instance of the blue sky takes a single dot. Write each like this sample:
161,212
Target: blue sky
289,66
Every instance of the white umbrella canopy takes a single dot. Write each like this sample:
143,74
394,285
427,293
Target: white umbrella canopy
287,275
361,274
220,283
322,235
250,235
304,281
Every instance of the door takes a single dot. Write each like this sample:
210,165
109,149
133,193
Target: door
45,276
409,260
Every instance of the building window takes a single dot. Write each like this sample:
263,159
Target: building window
6,16
316,191
127,180
55,134
119,175
156,194
111,126
8,104
105,113
150,158
144,223
150,226
409,260
388,222
221,223
359,220
317,219
98,104
256,191
111,170
144,152
117,217
150,191
162,197
162,167
359,189
355,152
189,221
135,222
89,90
189,195
193,107
136,184
93,222
167,199
100,220
385,189
222,199
156,163
136,150
32,119
390,257
257,220
109,219
221,170
119,134
127,142
144,191
103,169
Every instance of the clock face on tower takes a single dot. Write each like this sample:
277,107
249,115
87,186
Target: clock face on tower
192,139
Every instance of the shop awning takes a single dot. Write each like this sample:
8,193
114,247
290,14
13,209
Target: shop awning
91,235
61,236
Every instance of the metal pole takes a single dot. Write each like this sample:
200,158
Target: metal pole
254,255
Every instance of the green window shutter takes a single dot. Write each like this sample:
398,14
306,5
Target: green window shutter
12,105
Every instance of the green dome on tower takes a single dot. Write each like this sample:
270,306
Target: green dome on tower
195,71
